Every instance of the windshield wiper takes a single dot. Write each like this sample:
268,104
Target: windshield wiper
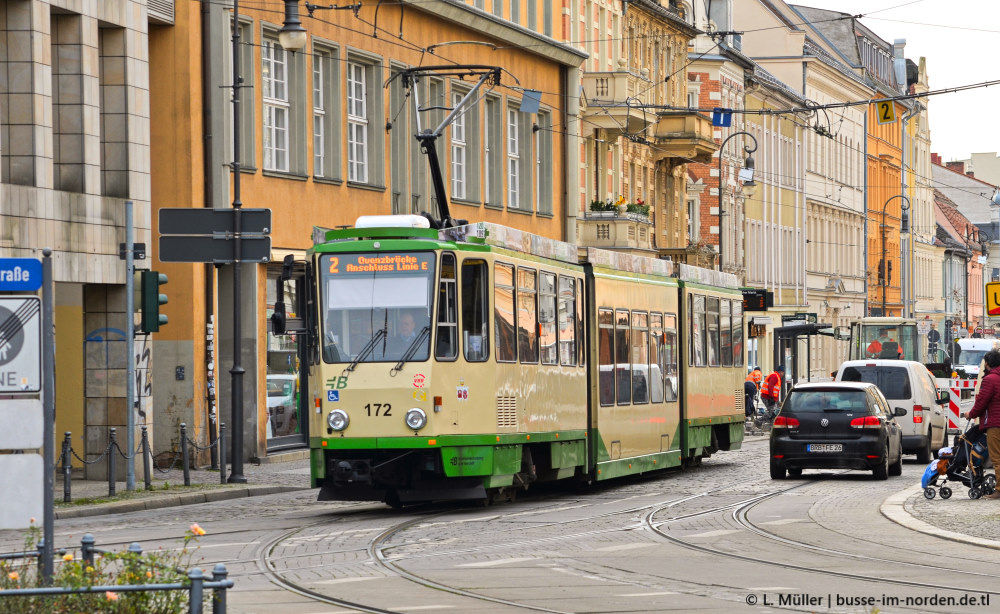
365,351
410,351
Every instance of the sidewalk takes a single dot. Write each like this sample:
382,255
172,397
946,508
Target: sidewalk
961,519
281,472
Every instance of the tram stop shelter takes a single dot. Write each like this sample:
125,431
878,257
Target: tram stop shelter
793,345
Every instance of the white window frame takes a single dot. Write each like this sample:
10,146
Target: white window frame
513,159
459,152
276,105
319,113
357,122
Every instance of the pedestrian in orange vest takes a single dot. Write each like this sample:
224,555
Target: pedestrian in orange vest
770,392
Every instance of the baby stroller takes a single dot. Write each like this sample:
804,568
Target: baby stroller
962,463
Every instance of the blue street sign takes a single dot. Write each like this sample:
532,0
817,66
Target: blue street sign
722,118
20,274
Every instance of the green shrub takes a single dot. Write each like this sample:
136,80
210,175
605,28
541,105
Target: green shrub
114,569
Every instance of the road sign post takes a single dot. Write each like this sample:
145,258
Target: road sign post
234,236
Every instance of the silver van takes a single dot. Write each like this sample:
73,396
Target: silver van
909,385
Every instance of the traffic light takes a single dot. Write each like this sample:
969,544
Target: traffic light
150,301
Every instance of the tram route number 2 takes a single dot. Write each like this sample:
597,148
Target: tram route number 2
381,409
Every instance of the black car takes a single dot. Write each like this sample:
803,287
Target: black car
836,425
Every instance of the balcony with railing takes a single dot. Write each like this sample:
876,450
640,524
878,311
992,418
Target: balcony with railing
684,134
614,100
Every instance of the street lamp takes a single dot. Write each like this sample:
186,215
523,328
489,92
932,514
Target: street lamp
884,266
292,37
749,187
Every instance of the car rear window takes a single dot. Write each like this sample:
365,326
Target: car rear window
826,400
894,382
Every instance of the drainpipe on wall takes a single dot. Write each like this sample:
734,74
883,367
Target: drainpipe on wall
571,153
907,245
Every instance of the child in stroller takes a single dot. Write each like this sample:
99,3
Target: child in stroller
963,463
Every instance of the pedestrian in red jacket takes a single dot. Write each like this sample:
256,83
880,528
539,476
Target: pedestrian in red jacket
987,405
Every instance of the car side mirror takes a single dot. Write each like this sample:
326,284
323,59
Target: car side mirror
899,411
943,398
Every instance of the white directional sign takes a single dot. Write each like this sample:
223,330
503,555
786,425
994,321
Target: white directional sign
20,344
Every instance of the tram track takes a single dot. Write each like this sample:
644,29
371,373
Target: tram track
379,552
740,516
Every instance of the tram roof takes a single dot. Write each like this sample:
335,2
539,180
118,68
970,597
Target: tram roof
513,239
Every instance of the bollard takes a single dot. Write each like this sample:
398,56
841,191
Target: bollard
222,453
219,574
184,454
67,467
145,458
197,590
87,548
112,442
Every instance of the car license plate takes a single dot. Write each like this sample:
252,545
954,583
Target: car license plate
826,447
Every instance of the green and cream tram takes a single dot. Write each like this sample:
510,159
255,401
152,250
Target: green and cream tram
473,361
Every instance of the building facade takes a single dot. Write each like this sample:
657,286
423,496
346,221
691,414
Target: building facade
75,145
327,135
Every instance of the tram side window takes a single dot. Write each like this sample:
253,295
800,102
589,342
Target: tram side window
640,358
581,347
527,317
669,357
622,372
567,321
713,332
503,309
655,358
606,355
738,333
475,318
696,324
726,331
547,318
447,321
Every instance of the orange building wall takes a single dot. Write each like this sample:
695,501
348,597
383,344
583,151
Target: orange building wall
885,157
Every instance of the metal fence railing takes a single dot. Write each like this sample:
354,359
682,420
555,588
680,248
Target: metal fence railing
68,453
196,585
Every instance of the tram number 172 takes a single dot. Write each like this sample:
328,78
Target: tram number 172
384,408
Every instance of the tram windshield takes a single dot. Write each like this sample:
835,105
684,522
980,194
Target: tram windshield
376,306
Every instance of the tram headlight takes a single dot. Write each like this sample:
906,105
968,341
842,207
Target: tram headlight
416,419
338,420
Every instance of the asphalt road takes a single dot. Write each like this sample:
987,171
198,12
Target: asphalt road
721,537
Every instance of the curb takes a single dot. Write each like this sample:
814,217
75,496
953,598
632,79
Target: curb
152,503
893,509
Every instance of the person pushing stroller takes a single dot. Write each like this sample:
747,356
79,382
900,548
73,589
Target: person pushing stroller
987,406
